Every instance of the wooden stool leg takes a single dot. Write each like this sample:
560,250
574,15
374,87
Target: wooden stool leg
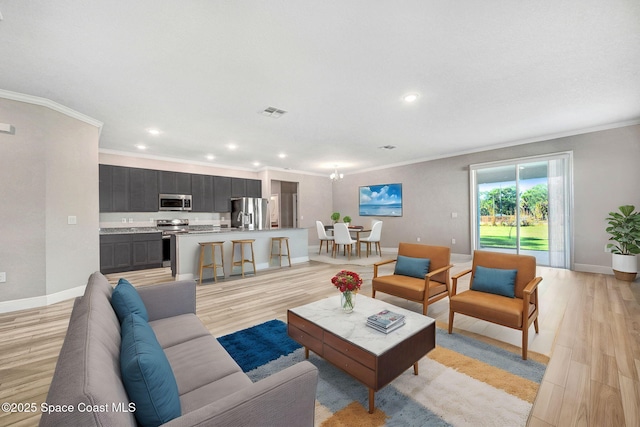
201,262
253,259
242,258
289,258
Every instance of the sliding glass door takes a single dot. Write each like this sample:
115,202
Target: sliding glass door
523,206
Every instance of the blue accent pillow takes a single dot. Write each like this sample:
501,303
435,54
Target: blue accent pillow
126,300
147,375
413,267
495,281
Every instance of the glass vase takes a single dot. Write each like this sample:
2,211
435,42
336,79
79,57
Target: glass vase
348,301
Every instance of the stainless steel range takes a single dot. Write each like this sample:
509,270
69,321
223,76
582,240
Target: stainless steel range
172,226
168,228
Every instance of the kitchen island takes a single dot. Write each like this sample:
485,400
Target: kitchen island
185,251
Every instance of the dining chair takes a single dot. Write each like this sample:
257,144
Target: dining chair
322,236
373,237
342,237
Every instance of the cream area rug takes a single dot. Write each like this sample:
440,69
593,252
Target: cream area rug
467,380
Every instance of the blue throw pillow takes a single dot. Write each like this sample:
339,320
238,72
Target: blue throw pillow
413,267
495,281
147,375
126,300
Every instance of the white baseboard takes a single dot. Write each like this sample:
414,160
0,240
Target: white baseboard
42,300
588,268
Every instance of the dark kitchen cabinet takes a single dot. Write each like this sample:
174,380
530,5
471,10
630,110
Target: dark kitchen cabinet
113,188
143,190
253,188
221,194
174,182
127,252
115,253
202,192
238,187
146,250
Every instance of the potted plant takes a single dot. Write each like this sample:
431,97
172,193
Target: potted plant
624,228
335,217
347,220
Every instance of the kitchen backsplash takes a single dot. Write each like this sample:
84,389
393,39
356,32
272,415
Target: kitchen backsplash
148,219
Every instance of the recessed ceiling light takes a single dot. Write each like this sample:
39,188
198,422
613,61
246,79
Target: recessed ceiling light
411,97
256,163
210,157
141,146
232,146
282,155
153,131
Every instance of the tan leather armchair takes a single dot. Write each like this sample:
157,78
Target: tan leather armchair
432,287
518,312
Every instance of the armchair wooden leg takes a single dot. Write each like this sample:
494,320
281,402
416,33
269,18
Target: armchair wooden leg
451,313
525,341
535,325
373,293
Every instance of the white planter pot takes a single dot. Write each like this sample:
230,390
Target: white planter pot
625,267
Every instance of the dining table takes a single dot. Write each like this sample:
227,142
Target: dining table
353,230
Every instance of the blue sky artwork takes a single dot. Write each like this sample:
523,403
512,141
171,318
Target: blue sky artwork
381,200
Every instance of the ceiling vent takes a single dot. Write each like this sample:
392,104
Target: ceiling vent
272,112
387,147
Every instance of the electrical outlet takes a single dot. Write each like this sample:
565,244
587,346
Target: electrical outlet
417,239
454,214
130,220
3,277
453,241
72,220
124,220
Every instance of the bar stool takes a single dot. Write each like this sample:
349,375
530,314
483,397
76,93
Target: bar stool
242,259
214,266
279,254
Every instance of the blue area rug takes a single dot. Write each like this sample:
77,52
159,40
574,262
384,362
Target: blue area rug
462,382
259,344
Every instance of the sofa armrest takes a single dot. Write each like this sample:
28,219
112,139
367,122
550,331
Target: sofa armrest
454,281
169,299
377,264
287,397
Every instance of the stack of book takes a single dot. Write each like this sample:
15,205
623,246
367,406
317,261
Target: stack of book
385,321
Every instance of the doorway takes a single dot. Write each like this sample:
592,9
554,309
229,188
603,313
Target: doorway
523,206
284,195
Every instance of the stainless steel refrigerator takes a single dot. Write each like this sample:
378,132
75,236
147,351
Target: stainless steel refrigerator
250,213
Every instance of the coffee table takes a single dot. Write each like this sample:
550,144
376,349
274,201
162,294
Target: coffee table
373,358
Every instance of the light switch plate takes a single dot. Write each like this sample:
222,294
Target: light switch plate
3,277
72,220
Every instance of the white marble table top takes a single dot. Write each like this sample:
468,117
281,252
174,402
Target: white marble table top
327,313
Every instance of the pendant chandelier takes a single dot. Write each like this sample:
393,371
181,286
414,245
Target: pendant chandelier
335,175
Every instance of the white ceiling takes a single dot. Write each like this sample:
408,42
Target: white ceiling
489,73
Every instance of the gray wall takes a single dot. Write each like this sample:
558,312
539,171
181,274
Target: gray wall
606,175
48,171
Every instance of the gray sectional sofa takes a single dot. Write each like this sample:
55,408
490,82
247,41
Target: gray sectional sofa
87,388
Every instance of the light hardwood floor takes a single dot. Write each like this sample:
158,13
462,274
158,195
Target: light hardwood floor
589,324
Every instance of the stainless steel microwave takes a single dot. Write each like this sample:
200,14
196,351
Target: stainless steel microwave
174,202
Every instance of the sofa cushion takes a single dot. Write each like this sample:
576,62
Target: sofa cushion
147,374
201,361
412,267
178,329
125,300
494,281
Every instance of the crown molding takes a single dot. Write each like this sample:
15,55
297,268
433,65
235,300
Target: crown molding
548,137
44,102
